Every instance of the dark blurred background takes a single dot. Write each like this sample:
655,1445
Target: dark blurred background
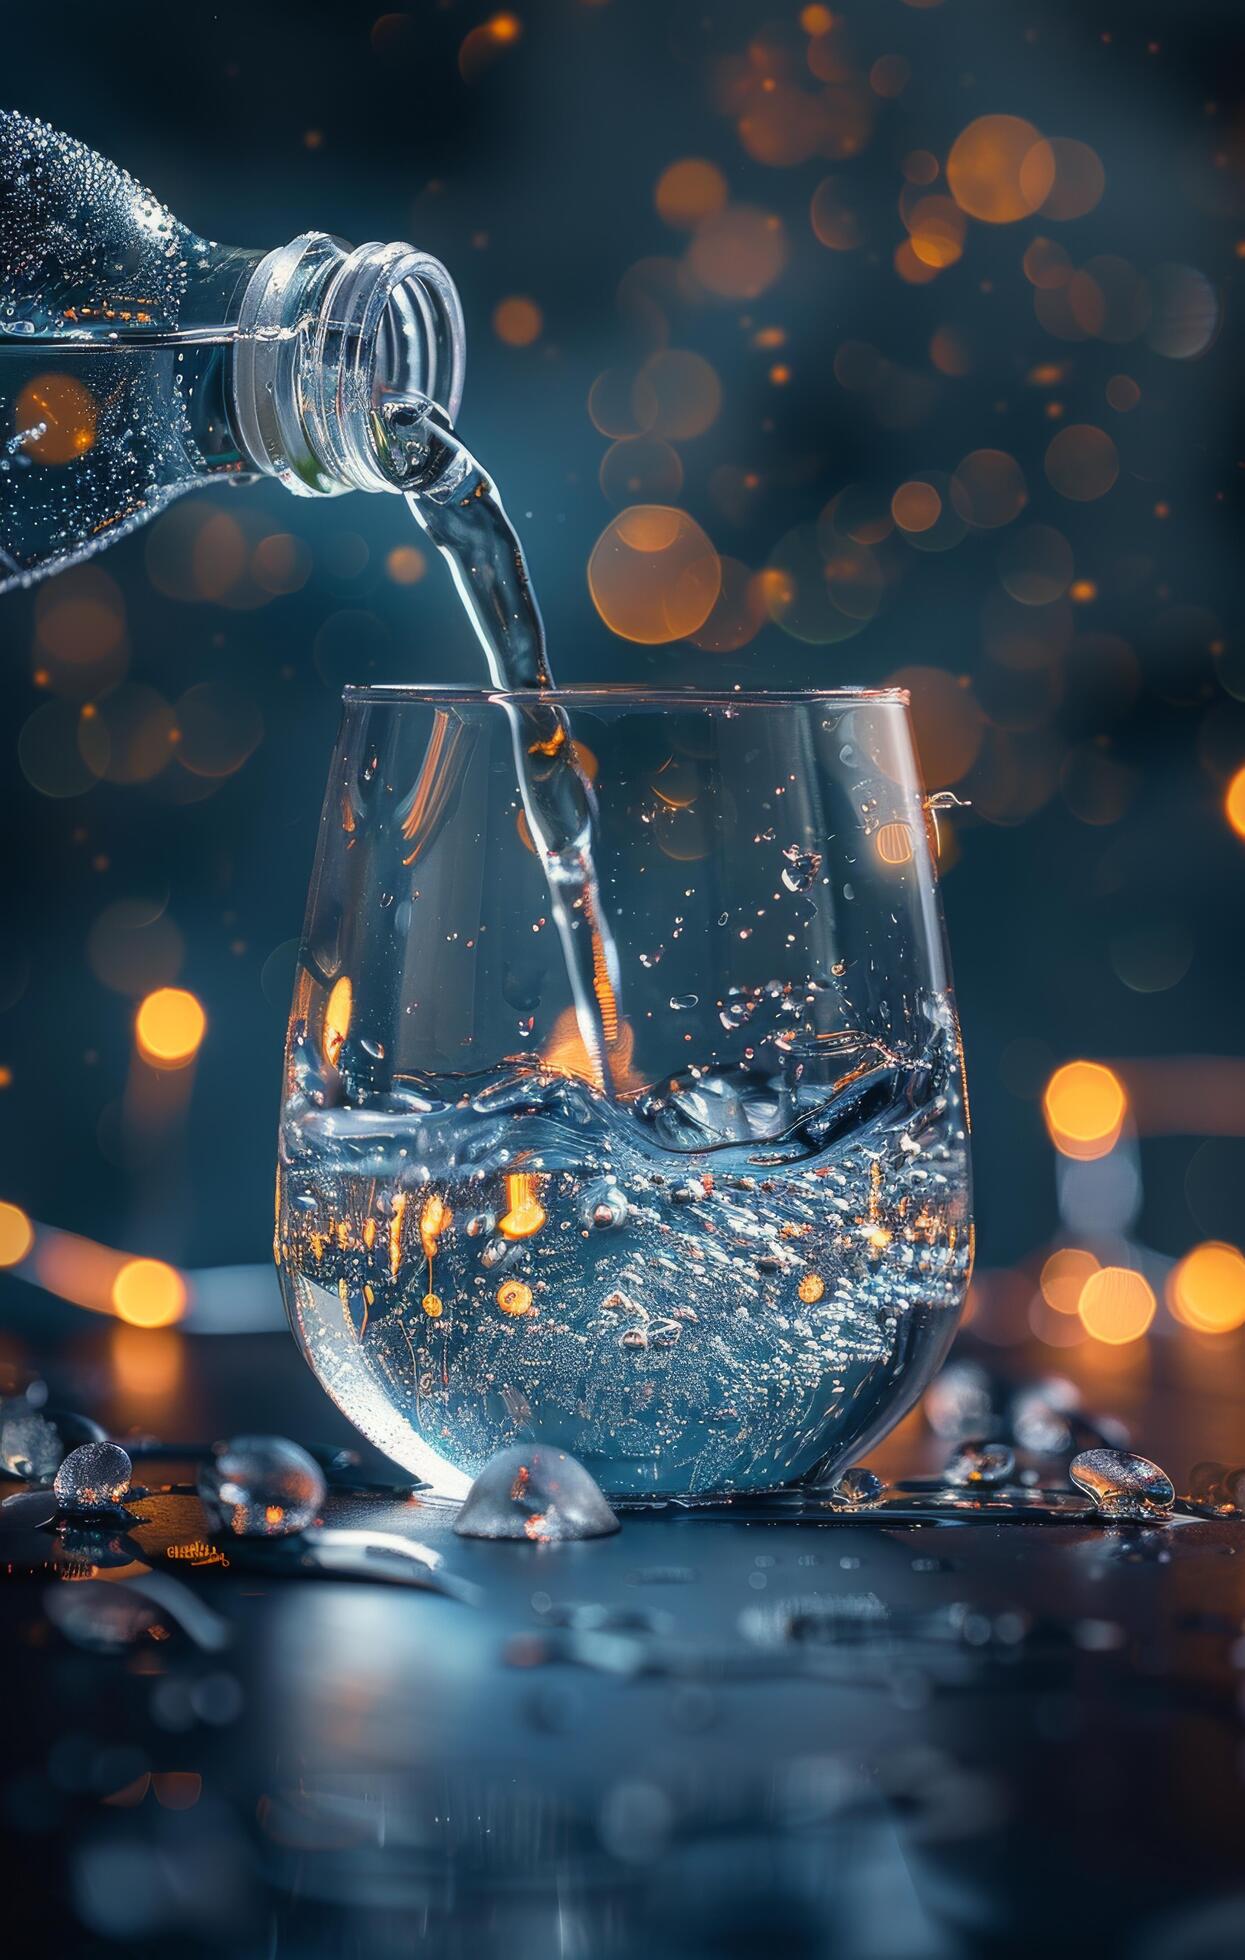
779,268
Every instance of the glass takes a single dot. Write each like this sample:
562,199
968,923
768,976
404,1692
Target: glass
738,1265
138,359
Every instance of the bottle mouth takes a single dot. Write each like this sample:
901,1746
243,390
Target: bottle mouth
324,333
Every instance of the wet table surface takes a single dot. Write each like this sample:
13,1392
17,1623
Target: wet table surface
711,1734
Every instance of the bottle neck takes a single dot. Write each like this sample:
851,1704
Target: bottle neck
324,334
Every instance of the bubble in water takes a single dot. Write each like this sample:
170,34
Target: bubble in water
738,1008
94,1477
801,868
536,1493
1123,1485
603,1207
981,1464
262,1487
859,1486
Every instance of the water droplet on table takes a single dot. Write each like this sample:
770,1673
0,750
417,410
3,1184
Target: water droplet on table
262,1487
858,1486
537,1493
982,1464
94,1477
1122,1485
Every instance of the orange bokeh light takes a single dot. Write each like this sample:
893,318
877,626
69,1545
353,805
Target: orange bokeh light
169,1027
1116,1305
65,414
517,321
985,170
653,575
1206,1290
1085,1106
147,1293
1064,1275
916,506
1234,802
17,1234
688,191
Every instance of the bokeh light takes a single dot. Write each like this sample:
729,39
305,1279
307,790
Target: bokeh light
1064,1275
1063,178
676,395
1206,1289
1234,802
988,489
1116,1305
517,321
946,721
738,252
61,413
1082,462
653,574
986,174
689,191
1085,1106
149,1293
169,1027
17,1234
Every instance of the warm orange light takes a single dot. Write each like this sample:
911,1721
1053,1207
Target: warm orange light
62,413
1234,802
17,1235
1064,1276
738,252
435,1217
916,506
986,174
1207,1289
147,1293
517,321
1085,1106
893,843
406,564
514,1298
147,1365
337,1012
1116,1306
169,1027
653,575
525,1214
688,191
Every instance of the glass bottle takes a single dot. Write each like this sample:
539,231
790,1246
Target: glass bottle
137,359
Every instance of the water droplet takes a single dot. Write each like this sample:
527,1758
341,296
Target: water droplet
34,1442
94,1477
536,1493
262,1487
801,868
1122,1485
603,1207
981,1464
859,1486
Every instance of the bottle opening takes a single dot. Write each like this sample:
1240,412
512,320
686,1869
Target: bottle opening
324,333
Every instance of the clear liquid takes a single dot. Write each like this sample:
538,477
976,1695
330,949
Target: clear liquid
711,1290
717,1288
458,506
97,435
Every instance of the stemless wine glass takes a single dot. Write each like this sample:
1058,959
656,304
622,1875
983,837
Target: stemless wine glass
716,1245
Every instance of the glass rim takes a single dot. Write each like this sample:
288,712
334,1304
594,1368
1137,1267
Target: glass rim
587,692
